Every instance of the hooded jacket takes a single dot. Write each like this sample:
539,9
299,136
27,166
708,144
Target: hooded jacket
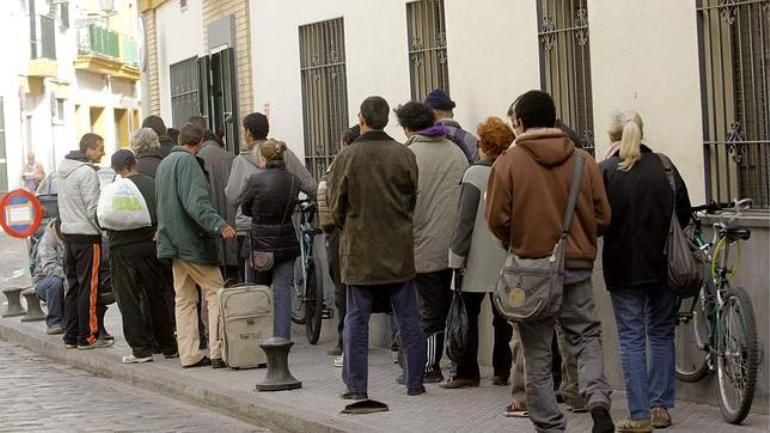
49,256
78,195
466,141
441,165
245,165
527,194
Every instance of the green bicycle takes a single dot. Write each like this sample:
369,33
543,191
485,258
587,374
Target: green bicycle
719,321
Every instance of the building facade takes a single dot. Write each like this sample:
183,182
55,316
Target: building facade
696,71
73,68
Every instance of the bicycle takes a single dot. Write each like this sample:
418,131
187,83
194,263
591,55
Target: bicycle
308,303
720,319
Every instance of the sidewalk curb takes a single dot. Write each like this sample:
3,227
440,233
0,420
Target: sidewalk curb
278,418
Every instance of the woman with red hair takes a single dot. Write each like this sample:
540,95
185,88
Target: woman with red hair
477,258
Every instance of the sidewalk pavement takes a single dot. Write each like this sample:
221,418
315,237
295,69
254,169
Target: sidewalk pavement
316,407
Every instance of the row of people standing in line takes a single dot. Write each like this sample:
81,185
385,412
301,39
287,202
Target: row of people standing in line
639,193
411,116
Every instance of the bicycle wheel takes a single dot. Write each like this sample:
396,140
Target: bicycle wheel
314,302
298,297
738,358
691,338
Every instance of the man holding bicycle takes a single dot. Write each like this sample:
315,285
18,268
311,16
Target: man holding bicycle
372,196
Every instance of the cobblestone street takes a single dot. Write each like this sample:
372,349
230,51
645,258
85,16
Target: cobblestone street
39,395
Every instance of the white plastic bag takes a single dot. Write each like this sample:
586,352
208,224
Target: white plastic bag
122,207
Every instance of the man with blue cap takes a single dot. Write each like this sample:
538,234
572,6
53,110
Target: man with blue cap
443,108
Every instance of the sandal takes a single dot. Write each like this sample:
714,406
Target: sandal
516,410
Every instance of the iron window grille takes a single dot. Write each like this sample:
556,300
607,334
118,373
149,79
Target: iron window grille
565,64
428,63
324,91
185,98
734,44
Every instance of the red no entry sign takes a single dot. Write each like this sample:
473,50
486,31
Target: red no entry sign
20,213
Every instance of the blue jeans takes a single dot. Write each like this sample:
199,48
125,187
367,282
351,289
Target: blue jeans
281,278
403,300
51,290
644,315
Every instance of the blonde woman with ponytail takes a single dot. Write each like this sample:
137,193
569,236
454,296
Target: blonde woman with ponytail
269,198
635,270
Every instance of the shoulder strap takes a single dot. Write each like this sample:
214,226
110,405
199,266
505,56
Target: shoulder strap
575,183
668,167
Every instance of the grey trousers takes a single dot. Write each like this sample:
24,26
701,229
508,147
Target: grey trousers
583,335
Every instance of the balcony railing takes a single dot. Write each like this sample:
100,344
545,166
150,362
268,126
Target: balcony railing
96,40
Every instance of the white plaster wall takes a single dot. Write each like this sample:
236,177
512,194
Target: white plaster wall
493,56
375,51
644,56
179,37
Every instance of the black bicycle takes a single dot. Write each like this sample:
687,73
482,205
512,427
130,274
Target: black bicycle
308,302
716,330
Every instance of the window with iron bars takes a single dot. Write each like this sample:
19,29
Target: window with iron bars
185,98
734,43
565,64
324,91
428,65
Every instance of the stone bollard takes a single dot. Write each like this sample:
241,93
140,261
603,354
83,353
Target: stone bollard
13,294
278,377
34,312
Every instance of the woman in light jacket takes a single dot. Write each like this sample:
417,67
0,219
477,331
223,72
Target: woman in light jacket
635,270
477,258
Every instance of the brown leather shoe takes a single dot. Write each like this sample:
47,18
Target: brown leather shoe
458,382
660,418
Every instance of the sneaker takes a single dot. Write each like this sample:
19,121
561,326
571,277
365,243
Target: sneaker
337,351
54,330
100,344
339,361
218,363
629,425
171,355
394,356
132,359
70,346
602,420
660,418
433,376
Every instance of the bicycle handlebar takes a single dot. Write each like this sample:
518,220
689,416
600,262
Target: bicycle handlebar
713,206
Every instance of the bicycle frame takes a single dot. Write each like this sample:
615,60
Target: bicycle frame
306,247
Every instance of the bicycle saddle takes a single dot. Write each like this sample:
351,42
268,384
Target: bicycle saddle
735,233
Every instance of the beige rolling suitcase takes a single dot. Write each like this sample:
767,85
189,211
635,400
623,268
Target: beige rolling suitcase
245,321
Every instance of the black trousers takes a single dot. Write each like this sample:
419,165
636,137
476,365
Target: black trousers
82,258
502,358
434,295
137,277
340,289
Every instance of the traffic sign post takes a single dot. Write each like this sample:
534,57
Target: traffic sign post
20,213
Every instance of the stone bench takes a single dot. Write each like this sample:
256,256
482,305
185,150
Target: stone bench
34,312
13,295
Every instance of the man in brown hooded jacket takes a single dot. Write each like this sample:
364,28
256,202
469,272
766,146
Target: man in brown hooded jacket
526,197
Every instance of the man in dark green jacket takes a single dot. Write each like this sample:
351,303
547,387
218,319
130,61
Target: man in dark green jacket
372,195
188,228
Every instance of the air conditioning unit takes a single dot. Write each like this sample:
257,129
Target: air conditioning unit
108,6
